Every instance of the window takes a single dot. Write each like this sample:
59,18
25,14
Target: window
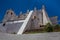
34,17
41,25
11,13
3,24
7,12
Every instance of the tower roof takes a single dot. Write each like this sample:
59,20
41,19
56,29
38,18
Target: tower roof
35,9
43,7
27,11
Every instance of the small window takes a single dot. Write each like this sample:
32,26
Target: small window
41,25
7,12
3,24
11,13
34,17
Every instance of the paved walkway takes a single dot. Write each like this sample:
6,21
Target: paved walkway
40,36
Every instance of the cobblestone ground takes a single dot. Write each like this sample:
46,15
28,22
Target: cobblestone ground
39,36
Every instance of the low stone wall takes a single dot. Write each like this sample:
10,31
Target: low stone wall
40,36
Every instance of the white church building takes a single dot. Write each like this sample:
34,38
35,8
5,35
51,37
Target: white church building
30,20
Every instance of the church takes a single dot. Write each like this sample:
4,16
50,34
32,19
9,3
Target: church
34,19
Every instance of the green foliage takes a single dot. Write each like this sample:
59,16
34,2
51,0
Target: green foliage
57,28
52,28
48,27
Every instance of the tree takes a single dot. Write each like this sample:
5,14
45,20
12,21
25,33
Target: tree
48,27
57,27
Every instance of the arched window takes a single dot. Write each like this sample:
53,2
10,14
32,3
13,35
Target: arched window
7,12
11,13
34,17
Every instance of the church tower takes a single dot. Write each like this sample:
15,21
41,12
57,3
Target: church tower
9,16
45,16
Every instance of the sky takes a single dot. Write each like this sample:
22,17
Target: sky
52,6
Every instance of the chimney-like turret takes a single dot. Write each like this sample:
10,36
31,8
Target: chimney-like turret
10,15
27,11
35,9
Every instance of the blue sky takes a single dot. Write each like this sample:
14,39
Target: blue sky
52,6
